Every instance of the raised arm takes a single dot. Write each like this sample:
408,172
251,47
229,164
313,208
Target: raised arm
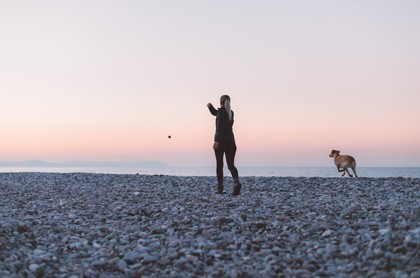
213,110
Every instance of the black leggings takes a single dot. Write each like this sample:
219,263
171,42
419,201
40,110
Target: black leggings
228,148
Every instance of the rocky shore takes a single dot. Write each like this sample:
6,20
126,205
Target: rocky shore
99,225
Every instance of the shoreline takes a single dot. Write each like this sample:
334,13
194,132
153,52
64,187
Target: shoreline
128,225
320,172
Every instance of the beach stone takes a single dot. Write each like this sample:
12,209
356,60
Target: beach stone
149,259
122,265
173,243
23,228
415,274
327,233
178,226
133,256
33,267
2,243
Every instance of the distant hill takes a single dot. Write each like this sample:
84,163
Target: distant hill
40,163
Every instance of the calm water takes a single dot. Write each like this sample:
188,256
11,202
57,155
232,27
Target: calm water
376,172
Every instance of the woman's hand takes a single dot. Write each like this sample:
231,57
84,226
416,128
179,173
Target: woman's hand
209,105
215,145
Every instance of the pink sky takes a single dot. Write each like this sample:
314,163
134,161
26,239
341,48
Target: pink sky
108,80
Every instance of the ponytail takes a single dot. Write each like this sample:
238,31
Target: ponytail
228,110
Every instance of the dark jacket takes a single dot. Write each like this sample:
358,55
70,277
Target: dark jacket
224,127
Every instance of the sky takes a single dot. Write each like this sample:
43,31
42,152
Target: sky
102,80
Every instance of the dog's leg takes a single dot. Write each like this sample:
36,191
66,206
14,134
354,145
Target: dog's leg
348,173
340,170
346,170
354,171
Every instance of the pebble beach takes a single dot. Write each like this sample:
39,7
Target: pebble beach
109,225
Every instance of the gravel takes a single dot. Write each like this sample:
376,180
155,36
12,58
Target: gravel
96,225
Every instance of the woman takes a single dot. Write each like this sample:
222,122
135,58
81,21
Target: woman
224,143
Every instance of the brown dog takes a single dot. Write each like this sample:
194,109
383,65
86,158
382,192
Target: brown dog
343,162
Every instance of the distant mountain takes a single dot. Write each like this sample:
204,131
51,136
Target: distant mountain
118,164
28,163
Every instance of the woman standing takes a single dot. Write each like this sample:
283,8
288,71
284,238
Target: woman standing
224,143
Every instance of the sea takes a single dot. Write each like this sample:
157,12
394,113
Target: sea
371,172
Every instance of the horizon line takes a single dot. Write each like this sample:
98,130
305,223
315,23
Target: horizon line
155,164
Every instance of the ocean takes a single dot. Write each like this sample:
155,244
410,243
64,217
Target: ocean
371,172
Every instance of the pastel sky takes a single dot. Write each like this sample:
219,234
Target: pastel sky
102,80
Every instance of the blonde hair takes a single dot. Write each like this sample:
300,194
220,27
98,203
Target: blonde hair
225,99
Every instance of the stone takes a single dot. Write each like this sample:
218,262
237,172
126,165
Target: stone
33,267
178,226
327,233
122,265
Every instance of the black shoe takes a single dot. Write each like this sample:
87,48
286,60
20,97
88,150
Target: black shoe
236,188
220,189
